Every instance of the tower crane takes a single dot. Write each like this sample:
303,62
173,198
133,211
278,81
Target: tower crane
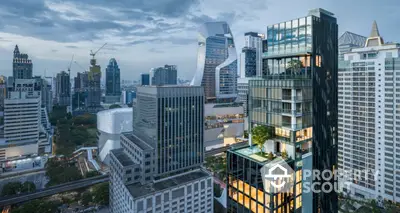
93,54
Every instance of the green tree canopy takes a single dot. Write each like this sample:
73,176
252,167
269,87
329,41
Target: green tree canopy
101,193
114,106
11,188
36,206
61,172
260,134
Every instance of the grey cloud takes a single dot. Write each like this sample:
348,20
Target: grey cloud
71,46
154,50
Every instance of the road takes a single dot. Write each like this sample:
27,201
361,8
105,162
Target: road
53,190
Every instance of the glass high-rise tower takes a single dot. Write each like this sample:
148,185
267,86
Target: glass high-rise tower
296,98
216,62
113,82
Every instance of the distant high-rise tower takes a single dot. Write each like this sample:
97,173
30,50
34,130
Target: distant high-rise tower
144,79
167,75
94,89
22,65
63,89
253,40
113,82
216,62
369,118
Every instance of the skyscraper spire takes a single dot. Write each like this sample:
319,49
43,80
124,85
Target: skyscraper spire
16,50
375,38
374,30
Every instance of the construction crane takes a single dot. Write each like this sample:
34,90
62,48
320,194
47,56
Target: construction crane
85,70
93,54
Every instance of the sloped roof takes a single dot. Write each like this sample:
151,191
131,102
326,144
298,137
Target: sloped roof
352,38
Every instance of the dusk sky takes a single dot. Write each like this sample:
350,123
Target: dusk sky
142,34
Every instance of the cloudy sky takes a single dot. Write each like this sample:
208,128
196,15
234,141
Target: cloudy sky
148,33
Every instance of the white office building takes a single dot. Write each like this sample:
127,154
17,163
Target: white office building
369,118
110,124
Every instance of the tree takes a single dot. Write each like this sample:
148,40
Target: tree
38,205
61,172
91,174
260,134
11,188
246,134
101,193
86,198
114,106
28,187
293,66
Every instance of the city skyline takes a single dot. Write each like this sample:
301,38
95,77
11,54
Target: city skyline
162,33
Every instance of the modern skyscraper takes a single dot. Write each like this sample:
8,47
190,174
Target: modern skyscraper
94,89
167,75
369,118
254,40
297,100
63,89
216,62
349,41
250,64
3,91
158,167
144,79
22,65
113,82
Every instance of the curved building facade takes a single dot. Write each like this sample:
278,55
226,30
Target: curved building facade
216,62
110,124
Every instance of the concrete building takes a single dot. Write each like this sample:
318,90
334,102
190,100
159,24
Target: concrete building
94,87
167,75
297,100
110,125
369,118
113,82
158,167
22,65
216,63
253,41
63,89
27,131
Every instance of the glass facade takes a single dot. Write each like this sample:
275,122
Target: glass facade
250,62
113,82
171,119
290,37
167,75
246,190
145,79
297,99
217,62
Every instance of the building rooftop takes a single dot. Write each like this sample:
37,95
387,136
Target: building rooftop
122,157
139,190
251,152
141,144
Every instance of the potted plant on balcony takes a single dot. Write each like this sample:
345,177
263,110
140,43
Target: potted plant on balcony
270,156
284,154
259,135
